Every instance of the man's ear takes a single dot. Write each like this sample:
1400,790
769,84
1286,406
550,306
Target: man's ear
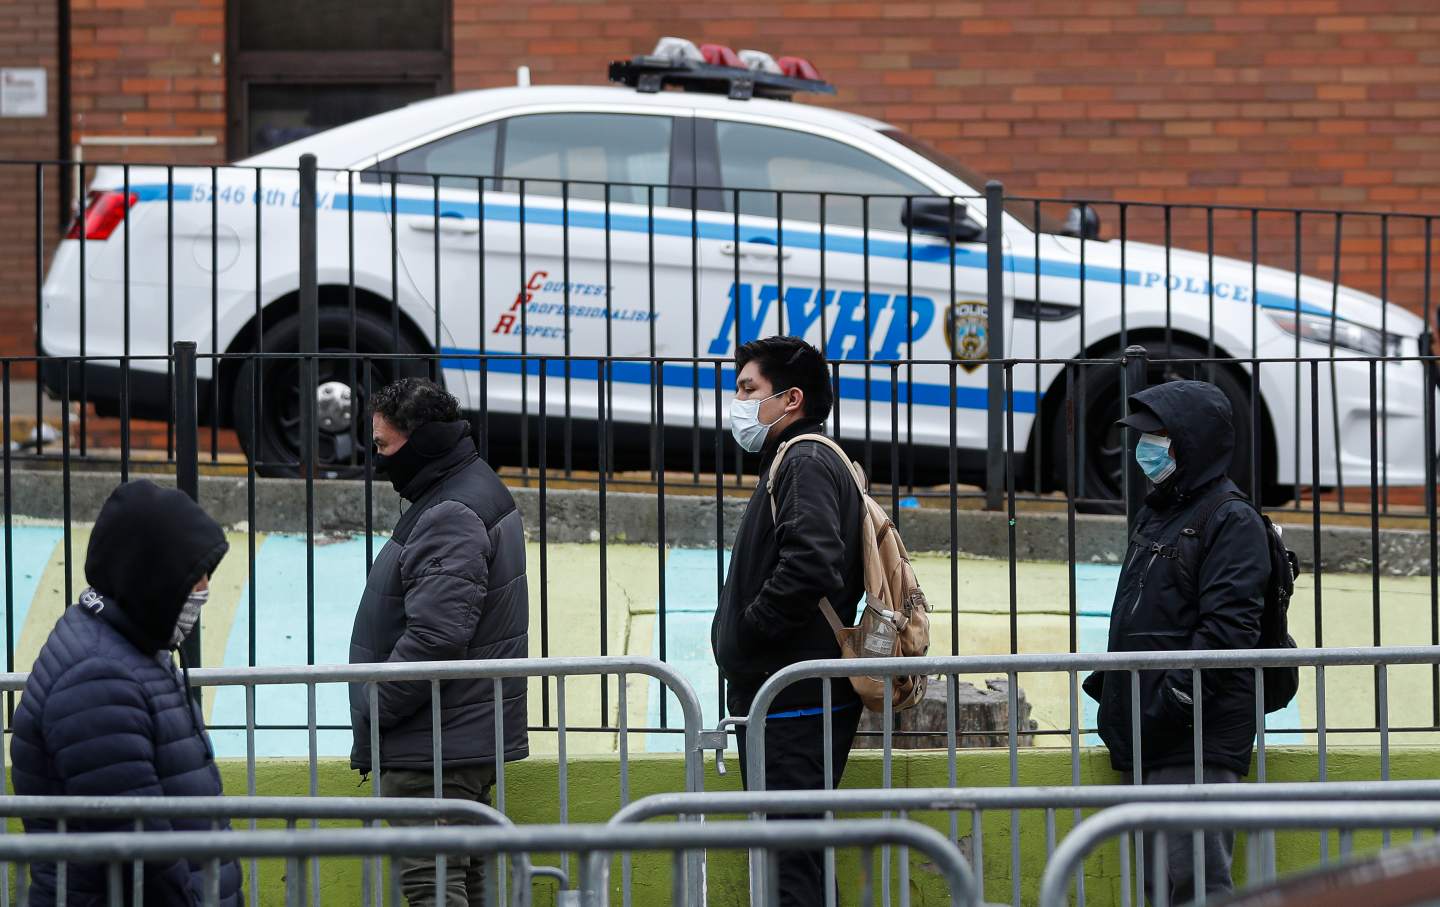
799,401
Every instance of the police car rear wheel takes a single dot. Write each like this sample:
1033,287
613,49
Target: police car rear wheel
339,395
1101,483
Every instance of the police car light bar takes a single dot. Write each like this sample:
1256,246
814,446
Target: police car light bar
717,69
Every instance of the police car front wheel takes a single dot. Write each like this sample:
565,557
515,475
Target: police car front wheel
266,397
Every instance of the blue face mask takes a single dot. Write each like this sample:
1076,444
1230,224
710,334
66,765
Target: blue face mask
1153,454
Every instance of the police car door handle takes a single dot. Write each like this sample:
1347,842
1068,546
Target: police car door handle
752,250
445,225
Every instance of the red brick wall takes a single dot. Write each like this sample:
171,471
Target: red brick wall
138,67
27,38
150,67
1314,103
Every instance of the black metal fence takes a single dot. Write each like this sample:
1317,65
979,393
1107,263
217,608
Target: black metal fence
567,316
1383,556
467,270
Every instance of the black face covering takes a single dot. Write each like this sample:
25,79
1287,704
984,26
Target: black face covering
400,467
426,444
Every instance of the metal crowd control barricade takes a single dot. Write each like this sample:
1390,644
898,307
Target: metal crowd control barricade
1127,664
438,672
368,810
978,800
1138,818
591,842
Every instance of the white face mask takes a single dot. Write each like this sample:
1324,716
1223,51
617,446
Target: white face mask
745,422
189,616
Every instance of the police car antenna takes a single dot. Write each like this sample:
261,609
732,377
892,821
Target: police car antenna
716,69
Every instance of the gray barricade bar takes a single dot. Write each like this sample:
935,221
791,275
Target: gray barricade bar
1075,664
436,673
978,800
1130,664
119,849
1151,817
361,809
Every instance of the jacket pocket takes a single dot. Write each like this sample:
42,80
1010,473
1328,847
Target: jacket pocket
1160,609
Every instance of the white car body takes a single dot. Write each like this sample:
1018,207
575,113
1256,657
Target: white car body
470,322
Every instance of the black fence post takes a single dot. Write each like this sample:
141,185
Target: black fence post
187,457
309,311
1135,363
995,452
1432,373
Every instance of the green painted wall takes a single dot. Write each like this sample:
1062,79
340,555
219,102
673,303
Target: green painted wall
532,796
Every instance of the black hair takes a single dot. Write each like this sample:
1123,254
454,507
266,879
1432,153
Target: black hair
789,362
410,403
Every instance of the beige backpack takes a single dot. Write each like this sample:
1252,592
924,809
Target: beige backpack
890,586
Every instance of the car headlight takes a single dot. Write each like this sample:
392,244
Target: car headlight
1344,334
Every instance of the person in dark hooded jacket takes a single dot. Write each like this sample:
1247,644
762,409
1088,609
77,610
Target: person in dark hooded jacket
1189,582
105,712
449,585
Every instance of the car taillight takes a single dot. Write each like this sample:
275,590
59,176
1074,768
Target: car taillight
104,212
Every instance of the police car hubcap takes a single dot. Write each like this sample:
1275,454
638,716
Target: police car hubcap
333,405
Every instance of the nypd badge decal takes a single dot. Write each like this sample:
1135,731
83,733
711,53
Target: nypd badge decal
967,332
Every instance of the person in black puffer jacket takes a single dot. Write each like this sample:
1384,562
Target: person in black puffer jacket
105,712
1194,578
448,586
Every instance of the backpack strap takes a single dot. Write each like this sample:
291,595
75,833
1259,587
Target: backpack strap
831,617
1202,517
1196,526
854,469
1168,551
855,473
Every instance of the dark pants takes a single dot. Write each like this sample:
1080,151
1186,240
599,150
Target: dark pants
795,760
1180,847
464,876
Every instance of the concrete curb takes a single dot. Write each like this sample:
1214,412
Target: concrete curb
573,516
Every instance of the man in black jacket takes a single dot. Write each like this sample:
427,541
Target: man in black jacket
449,585
1194,578
769,615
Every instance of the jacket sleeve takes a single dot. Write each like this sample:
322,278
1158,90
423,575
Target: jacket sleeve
1231,585
100,733
811,544
445,573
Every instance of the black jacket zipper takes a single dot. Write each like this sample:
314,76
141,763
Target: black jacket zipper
1140,592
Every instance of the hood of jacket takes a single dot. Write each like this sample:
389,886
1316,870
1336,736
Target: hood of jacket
149,548
1196,414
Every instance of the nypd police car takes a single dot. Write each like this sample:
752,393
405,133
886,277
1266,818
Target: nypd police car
629,221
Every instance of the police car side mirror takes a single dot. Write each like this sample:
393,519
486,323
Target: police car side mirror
1083,222
940,217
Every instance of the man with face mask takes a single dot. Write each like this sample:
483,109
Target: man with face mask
1194,578
781,566
105,712
448,585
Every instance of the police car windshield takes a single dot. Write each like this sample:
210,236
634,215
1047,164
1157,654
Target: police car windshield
1024,212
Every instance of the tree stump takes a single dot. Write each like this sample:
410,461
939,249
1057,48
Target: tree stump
981,719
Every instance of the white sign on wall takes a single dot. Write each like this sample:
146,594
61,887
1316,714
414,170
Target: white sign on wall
22,92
